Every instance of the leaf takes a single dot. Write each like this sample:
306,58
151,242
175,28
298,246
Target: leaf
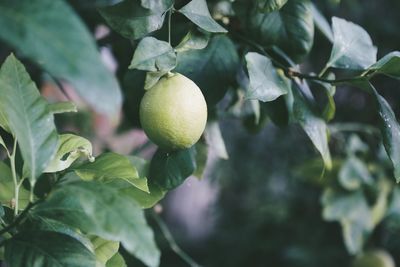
157,4
152,78
314,126
70,148
197,11
64,48
63,107
28,117
388,65
270,5
3,122
43,248
265,83
201,159
213,68
101,210
132,20
291,28
214,139
111,166
7,188
153,55
169,170
354,173
2,143
193,40
321,23
104,249
116,261
352,46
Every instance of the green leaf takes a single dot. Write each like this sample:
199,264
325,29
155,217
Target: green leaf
64,48
197,11
201,159
170,169
116,261
265,83
270,5
157,4
153,55
46,249
63,107
70,148
28,117
3,122
104,249
354,173
110,166
291,28
314,126
214,139
132,20
7,188
2,143
388,65
101,210
213,68
193,40
321,23
352,46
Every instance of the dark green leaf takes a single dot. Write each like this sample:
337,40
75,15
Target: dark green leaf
47,249
153,55
270,5
132,20
101,210
170,169
265,83
64,48
28,117
197,11
352,46
213,68
388,65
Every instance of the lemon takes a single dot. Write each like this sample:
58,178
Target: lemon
173,113
374,258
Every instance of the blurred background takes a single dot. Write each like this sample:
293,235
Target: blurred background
262,206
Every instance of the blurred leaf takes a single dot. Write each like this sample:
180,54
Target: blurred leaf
352,46
388,65
321,23
213,68
157,4
153,55
42,248
170,169
116,261
2,143
63,107
270,5
111,166
201,159
70,148
291,28
215,140
7,188
380,207
197,11
28,117
132,20
355,145
104,249
193,40
100,210
329,110
64,48
354,236
265,83
354,173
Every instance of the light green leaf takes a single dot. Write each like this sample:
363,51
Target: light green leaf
28,117
265,83
132,20
270,5
214,139
354,173
116,261
352,46
46,249
70,148
104,249
197,11
63,107
152,78
64,48
7,188
2,143
321,23
388,65
3,122
153,55
110,166
193,40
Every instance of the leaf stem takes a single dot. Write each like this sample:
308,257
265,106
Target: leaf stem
14,177
169,25
172,243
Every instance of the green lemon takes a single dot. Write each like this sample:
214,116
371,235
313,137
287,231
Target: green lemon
173,113
374,258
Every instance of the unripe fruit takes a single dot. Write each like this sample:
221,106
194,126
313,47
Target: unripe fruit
173,113
374,258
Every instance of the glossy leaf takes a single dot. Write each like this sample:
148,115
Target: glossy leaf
352,46
63,107
153,55
70,148
265,83
197,11
101,210
388,65
104,249
132,20
64,48
47,249
170,169
28,117
270,5
111,166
